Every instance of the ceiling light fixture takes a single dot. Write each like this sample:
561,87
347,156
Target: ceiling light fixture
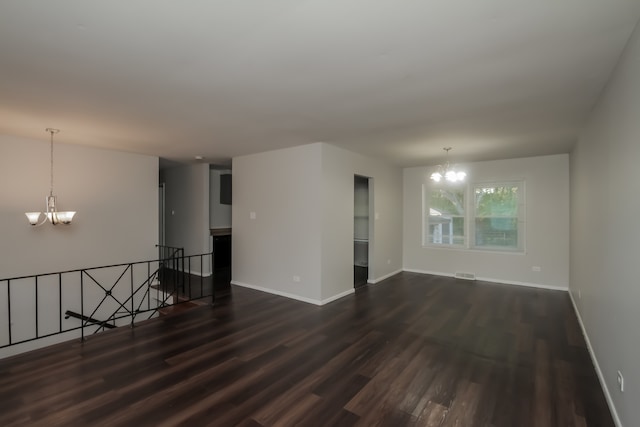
51,212
447,171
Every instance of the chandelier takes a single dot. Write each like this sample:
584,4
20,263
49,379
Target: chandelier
447,171
51,213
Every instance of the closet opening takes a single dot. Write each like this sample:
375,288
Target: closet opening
361,230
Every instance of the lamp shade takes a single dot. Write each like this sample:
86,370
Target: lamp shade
65,217
33,217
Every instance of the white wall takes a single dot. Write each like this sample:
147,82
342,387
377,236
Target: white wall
283,188
303,198
187,209
115,195
546,230
219,214
385,258
605,242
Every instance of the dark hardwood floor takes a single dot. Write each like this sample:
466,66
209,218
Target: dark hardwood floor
412,350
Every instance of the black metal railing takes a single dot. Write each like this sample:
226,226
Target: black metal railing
169,253
103,323
172,264
44,305
171,256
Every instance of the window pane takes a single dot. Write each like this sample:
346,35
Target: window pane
446,217
498,232
496,219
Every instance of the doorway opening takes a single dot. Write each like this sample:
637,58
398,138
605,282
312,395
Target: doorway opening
361,230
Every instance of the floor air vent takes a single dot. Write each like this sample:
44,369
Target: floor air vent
465,276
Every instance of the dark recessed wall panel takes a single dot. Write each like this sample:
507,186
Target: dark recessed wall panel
225,189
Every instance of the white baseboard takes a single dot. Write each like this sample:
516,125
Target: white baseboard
594,360
337,296
489,279
276,292
386,276
435,273
294,296
526,284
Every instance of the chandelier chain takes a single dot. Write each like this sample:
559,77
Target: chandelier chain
52,132
51,157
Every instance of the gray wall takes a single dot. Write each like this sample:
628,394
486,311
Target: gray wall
605,235
385,244
283,189
115,195
300,243
546,225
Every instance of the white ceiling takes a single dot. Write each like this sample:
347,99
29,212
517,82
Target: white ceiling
395,79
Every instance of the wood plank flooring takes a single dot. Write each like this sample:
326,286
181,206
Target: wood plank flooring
414,350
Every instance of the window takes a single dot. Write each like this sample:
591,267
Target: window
493,219
498,222
445,221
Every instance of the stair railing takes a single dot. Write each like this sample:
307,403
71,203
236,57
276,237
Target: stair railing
44,305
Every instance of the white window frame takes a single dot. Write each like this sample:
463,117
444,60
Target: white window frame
426,196
470,216
520,184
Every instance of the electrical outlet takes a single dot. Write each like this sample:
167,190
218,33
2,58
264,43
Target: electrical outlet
388,261
296,279
579,294
620,381
252,215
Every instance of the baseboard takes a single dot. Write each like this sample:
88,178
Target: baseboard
489,279
434,273
294,296
525,284
386,276
337,296
276,292
594,360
